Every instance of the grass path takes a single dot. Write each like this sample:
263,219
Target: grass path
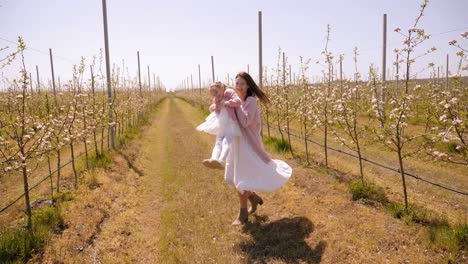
180,212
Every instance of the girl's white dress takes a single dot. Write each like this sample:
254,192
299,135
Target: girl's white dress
220,124
245,171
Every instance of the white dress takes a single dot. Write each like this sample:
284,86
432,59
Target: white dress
246,171
220,124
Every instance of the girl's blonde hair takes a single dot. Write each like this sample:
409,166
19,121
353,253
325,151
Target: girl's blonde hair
218,85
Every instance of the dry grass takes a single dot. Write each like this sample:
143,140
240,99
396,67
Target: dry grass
453,206
180,212
11,185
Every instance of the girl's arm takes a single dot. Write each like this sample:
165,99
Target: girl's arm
234,100
212,107
246,113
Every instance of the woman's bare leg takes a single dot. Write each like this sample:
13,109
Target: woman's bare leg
243,212
243,198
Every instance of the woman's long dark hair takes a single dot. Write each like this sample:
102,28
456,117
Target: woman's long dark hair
253,88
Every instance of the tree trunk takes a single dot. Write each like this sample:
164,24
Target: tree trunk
73,162
58,170
402,172
26,194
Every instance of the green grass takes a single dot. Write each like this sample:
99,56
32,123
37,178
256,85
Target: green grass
102,160
17,244
278,145
451,238
439,232
63,196
367,192
414,214
129,134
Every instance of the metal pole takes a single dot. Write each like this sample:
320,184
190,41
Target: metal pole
38,81
139,75
53,76
30,82
123,73
149,79
397,72
447,74
384,58
199,78
212,68
191,81
260,54
341,75
108,74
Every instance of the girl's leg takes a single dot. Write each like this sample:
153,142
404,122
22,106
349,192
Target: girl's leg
227,142
218,147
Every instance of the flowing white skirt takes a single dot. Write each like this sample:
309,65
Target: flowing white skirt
220,124
247,172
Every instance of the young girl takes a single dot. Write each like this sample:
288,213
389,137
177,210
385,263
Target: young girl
222,122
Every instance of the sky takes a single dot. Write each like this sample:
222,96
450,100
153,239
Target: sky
174,37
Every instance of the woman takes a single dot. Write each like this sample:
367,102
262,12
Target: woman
248,167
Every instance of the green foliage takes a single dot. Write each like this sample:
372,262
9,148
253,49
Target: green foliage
414,214
102,160
278,145
447,237
63,196
130,133
18,244
367,192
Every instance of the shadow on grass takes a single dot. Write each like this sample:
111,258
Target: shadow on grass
281,240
